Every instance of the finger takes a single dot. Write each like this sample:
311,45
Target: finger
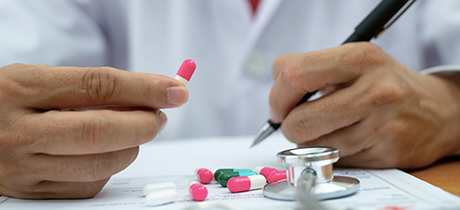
80,168
279,64
349,140
47,87
91,132
59,190
316,70
333,112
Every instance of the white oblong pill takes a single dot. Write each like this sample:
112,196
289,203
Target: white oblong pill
151,188
161,197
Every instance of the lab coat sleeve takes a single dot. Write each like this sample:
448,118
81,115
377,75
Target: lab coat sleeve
53,32
445,70
440,34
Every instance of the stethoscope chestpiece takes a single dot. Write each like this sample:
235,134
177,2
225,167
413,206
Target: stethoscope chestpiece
318,160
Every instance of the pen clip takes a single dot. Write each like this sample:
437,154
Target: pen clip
396,17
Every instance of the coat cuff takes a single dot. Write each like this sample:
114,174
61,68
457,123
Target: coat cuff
446,70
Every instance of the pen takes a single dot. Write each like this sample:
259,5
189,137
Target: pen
382,17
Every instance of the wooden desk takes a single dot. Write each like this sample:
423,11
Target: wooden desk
444,174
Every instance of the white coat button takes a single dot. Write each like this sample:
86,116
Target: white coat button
255,65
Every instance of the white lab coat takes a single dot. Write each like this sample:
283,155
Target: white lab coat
234,51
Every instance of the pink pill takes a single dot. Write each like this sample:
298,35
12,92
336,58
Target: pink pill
186,71
264,171
204,175
246,183
278,175
197,190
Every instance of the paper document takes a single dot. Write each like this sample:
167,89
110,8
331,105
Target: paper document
175,161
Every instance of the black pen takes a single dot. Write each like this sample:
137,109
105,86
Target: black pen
385,14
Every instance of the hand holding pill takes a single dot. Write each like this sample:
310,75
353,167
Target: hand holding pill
51,148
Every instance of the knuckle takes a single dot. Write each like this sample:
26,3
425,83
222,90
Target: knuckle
97,84
362,54
398,129
94,132
278,64
12,85
292,73
18,67
385,93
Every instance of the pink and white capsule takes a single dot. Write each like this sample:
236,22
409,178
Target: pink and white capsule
197,190
277,175
186,71
204,175
246,183
264,171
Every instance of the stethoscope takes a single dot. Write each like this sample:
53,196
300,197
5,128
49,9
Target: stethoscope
310,177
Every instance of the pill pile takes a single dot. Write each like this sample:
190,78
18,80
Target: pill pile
235,180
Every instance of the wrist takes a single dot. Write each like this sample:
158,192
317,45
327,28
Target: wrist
450,109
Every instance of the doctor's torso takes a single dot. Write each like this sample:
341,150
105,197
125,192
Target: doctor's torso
234,49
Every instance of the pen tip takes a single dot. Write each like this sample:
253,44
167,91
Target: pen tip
263,133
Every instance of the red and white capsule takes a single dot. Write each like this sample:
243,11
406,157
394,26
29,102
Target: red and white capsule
185,71
278,175
264,171
197,190
204,175
246,183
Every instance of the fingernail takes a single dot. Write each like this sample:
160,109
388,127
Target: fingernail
274,116
177,95
163,120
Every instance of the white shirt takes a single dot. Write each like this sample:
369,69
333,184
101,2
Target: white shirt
234,51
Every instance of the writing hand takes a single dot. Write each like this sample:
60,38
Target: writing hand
379,113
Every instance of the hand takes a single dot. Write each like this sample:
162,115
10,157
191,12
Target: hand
50,151
375,110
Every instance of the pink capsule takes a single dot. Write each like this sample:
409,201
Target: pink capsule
197,190
186,71
264,171
246,183
204,175
278,175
